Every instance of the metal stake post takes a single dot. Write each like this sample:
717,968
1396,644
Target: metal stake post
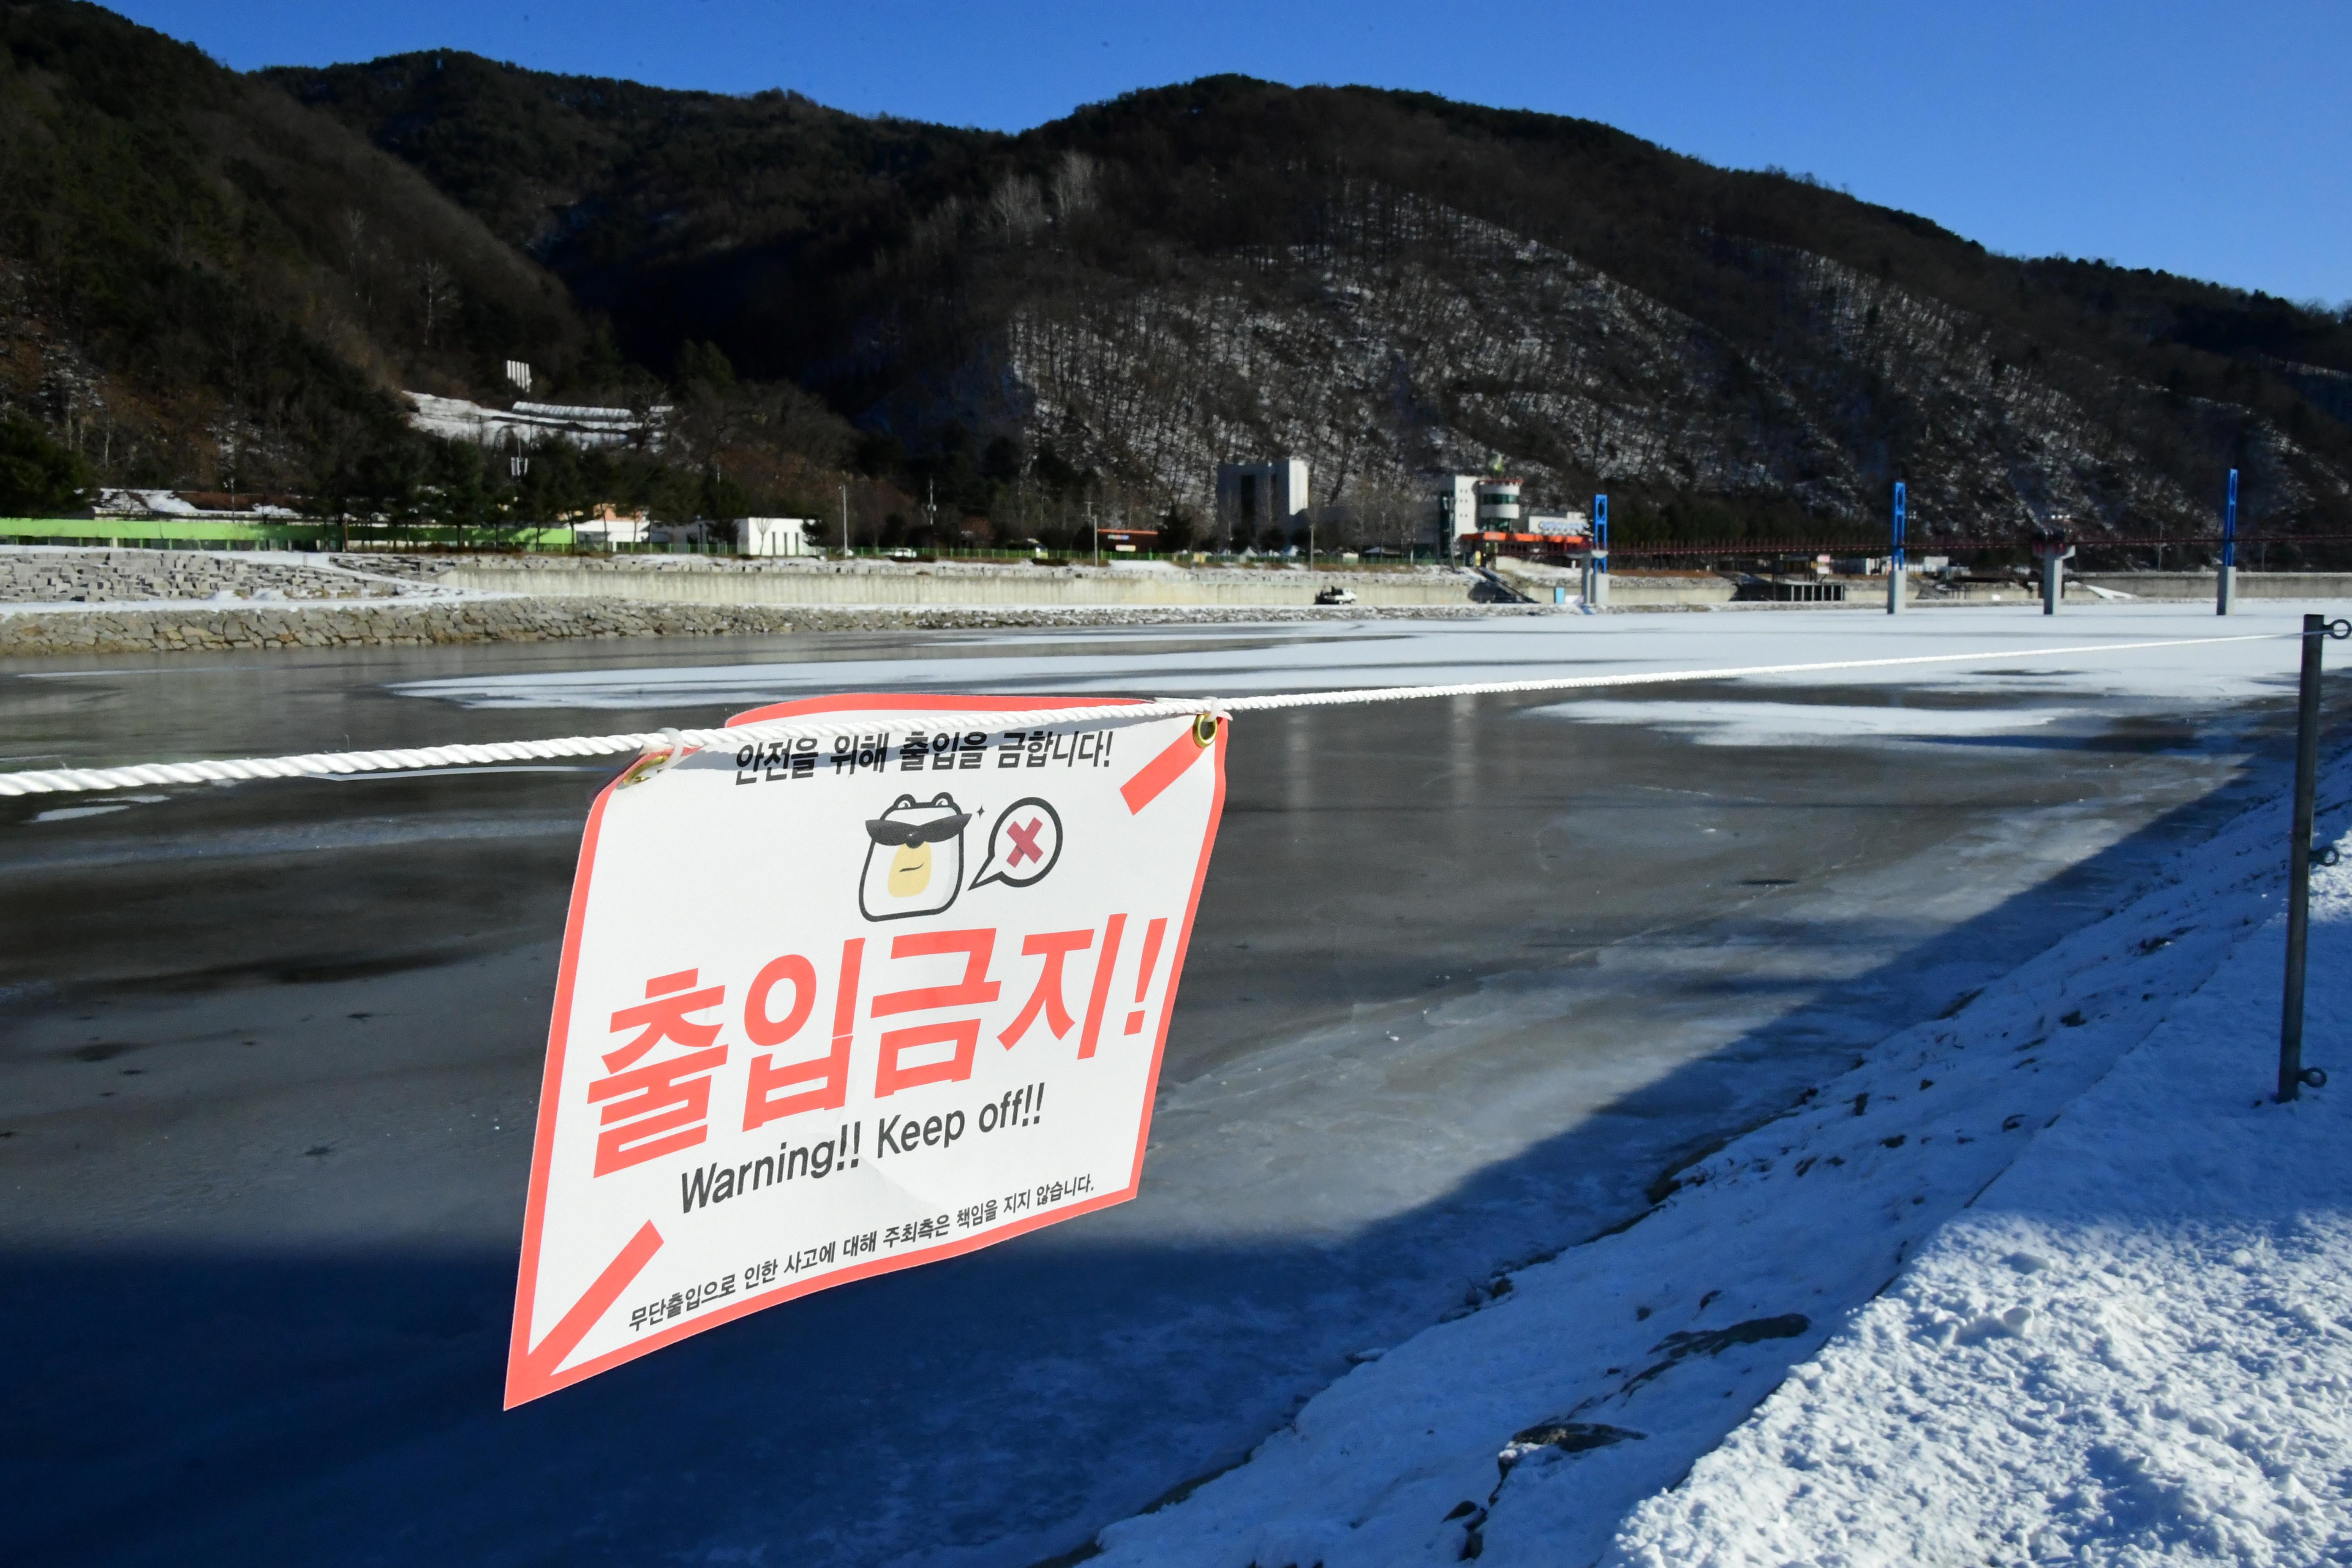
2293,1075
1895,561
2225,593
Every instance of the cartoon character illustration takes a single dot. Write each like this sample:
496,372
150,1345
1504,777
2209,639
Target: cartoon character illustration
915,865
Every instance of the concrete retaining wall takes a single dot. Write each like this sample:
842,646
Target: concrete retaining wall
2201,586
1629,592
950,586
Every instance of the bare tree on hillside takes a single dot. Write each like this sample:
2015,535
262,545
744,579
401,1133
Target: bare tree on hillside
360,254
1018,207
438,284
1393,514
1074,185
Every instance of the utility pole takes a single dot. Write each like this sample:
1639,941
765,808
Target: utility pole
845,522
1895,561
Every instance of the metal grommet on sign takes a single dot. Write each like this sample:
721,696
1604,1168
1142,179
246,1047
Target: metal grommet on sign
653,764
1204,730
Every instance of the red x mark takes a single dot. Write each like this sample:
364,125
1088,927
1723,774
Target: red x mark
1024,842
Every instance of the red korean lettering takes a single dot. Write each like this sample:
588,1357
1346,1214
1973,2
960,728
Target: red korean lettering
892,1074
975,989
1153,935
662,1016
761,1027
1099,998
765,1100
1055,947
655,1110
652,1109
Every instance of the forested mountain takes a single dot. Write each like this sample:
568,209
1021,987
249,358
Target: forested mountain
202,274
203,283
1382,282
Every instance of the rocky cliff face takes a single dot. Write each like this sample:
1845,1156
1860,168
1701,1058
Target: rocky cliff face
1417,338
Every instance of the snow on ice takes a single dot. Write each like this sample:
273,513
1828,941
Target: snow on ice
2048,1279
1185,659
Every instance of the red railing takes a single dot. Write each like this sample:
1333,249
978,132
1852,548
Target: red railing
1915,548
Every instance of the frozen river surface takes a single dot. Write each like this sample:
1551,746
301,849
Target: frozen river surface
1469,976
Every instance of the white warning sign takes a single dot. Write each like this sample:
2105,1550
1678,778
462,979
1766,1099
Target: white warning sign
831,1006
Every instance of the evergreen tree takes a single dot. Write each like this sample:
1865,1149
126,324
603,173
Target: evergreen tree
38,478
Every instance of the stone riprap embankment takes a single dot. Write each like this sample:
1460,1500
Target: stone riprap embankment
994,585
212,627
64,575
74,601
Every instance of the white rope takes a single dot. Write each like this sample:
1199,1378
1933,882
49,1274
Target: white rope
315,764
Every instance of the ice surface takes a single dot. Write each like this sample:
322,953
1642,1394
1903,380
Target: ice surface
1805,723
70,813
1325,1189
1404,653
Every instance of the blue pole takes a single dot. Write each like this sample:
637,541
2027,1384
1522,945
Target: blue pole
2229,525
1894,560
2225,587
1596,559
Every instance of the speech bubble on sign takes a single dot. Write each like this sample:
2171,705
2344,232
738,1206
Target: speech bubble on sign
1023,846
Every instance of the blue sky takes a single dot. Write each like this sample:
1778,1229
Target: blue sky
2208,140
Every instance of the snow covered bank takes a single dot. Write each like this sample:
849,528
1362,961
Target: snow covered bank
2136,1346
2037,1305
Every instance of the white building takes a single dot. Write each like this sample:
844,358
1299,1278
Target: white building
608,526
1261,495
1456,502
772,536
1499,505
1491,511
1559,524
